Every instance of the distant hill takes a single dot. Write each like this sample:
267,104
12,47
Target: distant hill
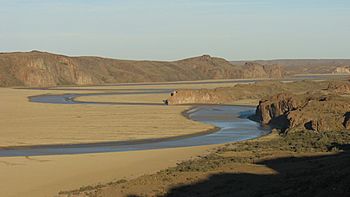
307,66
41,69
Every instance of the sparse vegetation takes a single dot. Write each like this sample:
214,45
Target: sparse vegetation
298,149
300,142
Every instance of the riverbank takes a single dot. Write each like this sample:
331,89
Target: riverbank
301,164
43,176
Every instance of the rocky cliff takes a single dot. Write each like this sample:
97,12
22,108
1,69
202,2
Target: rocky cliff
40,69
319,113
255,70
202,96
342,70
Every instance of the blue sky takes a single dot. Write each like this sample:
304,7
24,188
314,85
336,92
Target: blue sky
174,29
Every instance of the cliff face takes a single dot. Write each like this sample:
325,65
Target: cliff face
203,96
42,69
39,69
299,112
342,70
347,120
254,70
275,109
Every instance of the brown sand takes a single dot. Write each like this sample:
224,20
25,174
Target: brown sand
25,123
47,175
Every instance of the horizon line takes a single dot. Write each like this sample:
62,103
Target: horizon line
190,56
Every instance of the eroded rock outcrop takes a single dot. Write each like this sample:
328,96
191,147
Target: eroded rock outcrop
44,72
347,120
339,87
342,70
298,112
203,96
277,107
255,70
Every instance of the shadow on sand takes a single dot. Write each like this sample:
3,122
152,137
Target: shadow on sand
296,176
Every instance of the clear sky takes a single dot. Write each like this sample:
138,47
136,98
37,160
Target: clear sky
174,29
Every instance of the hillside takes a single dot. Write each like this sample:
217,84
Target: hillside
41,69
307,66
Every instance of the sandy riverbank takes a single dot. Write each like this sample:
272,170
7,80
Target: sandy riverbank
24,123
44,176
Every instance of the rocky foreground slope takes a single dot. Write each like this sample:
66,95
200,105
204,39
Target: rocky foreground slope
40,69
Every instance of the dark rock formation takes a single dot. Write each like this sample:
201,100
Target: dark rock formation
277,107
347,120
298,112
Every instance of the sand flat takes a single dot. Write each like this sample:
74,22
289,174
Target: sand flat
26,123
47,175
